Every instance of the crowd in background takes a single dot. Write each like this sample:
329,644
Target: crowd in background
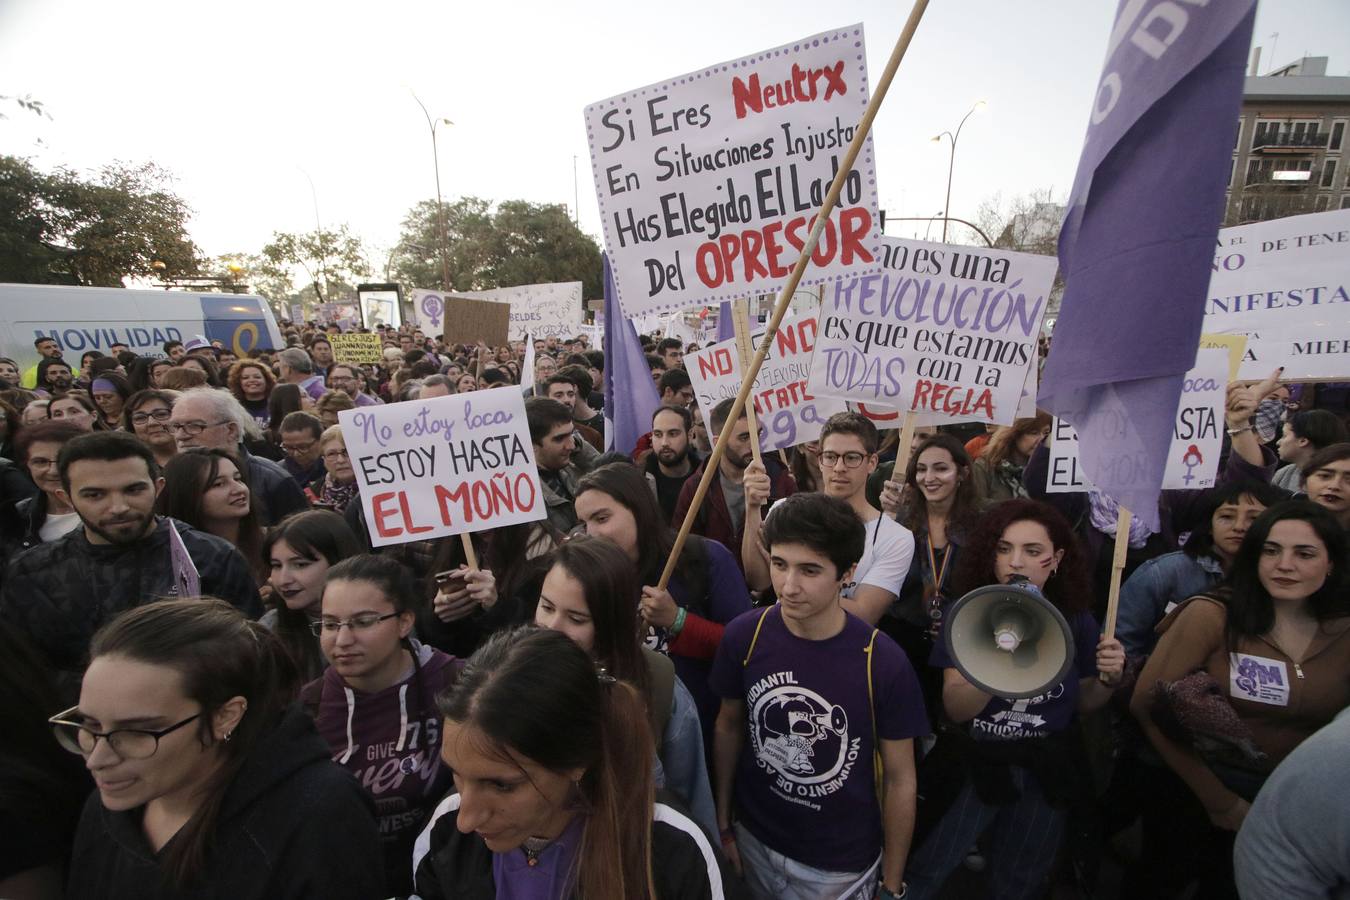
348,721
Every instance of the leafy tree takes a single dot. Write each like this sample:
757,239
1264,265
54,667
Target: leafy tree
57,228
332,261
27,103
518,243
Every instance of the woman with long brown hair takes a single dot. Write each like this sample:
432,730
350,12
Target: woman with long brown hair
554,793
998,471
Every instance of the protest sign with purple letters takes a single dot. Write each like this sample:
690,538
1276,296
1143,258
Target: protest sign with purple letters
430,468
947,331
1286,285
709,182
788,414
1197,436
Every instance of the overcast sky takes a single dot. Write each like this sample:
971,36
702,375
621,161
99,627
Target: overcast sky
245,102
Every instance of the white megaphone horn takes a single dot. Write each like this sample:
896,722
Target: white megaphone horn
1008,640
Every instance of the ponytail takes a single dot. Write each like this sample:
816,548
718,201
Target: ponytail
616,853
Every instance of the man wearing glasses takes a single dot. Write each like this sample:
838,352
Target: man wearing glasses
848,454
349,379
205,417
300,432
60,593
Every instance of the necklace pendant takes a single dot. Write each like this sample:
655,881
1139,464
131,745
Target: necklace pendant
531,860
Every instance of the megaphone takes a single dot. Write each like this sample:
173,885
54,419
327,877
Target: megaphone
1008,640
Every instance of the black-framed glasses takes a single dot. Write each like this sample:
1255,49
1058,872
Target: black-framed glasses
853,459
158,415
192,429
128,743
355,623
335,455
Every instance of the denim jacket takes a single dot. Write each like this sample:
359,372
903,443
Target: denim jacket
1146,595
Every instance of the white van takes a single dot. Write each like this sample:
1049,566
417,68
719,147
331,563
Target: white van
91,318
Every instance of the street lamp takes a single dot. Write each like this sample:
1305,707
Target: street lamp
952,163
939,213
440,210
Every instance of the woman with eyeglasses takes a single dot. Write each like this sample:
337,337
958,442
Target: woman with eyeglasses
376,703
339,482
553,798
48,515
146,415
210,782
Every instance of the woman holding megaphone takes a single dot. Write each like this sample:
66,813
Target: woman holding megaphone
1005,757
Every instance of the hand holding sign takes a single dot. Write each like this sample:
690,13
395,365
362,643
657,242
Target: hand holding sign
657,607
890,498
1243,399
757,485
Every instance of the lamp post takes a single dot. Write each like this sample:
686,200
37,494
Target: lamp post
936,215
440,208
951,165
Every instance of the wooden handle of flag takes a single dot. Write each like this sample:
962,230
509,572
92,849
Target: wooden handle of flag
782,457
470,557
785,296
902,449
740,320
1122,548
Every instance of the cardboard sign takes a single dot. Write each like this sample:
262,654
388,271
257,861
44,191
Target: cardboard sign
356,348
430,468
1285,284
948,331
542,310
709,182
787,412
1197,436
463,320
1235,345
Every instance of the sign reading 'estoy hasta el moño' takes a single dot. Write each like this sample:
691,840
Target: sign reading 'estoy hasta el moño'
709,182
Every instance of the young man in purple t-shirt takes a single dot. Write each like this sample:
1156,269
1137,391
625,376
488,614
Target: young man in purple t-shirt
811,697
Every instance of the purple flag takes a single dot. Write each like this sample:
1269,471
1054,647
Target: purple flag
1137,243
726,327
630,395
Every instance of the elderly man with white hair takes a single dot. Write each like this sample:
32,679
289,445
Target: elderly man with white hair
206,417
295,367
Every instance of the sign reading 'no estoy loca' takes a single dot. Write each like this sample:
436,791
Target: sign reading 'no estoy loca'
448,465
709,182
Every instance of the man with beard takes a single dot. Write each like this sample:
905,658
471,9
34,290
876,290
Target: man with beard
722,515
60,593
54,375
672,458
47,348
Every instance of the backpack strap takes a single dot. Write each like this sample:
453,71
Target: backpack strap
662,673
878,770
750,651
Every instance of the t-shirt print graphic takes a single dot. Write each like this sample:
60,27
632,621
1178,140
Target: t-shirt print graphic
803,738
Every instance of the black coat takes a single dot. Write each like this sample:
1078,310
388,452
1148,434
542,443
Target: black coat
293,825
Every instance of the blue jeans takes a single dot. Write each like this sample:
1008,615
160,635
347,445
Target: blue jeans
1026,837
772,876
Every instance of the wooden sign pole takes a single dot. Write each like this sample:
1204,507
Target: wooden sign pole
785,297
740,319
1122,548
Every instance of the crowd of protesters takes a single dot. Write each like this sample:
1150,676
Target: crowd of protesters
218,688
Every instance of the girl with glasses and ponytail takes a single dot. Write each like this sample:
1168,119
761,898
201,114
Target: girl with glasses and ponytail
210,782
552,762
375,704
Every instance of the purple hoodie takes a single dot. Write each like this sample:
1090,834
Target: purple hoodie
391,742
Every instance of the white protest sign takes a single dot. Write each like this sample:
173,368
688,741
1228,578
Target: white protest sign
430,468
542,310
947,331
788,415
1286,285
709,182
1197,435
428,310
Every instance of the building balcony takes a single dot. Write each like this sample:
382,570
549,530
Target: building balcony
1291,143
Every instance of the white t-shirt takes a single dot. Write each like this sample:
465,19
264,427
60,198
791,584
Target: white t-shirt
55,526
887,551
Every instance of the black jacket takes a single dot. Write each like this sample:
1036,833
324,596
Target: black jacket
21,527
448,865
276,491
293,825
59,594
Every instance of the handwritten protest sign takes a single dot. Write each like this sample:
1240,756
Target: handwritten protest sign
1286,285
947,331
709,182
542,310
788,414
430,468
1197,436
355,348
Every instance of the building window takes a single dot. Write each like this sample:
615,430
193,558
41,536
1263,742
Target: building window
1345,201
1237,137
1321,203
1337,133
1232,170
1329,173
